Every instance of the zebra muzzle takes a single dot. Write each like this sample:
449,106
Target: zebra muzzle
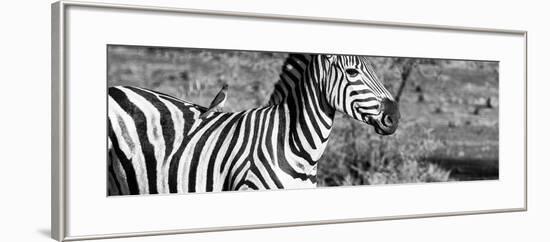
389,119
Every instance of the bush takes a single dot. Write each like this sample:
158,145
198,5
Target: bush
361,157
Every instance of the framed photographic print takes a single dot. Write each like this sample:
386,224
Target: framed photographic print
247,120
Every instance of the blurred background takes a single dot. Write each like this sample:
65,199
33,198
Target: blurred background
449,108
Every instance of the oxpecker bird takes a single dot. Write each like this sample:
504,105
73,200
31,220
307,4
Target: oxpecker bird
218,102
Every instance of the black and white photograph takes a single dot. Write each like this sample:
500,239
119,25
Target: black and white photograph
300,120
185,120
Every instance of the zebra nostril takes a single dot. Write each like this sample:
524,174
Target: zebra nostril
388,121
392,115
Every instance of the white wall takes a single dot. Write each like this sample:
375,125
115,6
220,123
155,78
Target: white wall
25,162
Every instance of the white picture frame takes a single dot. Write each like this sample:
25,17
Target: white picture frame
80,208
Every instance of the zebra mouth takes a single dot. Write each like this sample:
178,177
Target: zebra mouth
383,126
378,130
380,123
384,117
367,118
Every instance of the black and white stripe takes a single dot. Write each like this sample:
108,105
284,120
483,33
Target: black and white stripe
158,144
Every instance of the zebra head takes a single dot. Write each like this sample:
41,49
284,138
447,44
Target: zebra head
352,87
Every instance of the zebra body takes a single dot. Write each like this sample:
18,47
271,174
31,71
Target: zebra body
158,144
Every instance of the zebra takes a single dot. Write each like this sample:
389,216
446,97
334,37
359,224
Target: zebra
158,144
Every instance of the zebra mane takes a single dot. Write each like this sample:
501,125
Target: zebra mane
292,71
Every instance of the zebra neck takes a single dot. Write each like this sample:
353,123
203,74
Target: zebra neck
310,121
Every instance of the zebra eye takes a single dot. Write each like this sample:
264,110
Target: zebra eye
352,72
